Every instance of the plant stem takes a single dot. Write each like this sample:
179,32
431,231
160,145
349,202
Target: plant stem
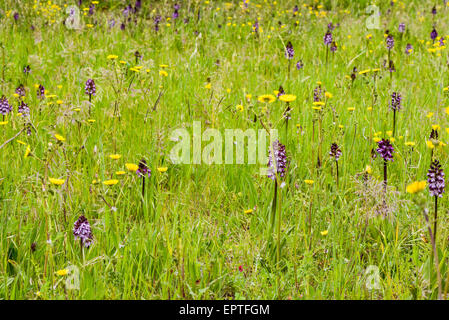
394,121
435,218
336,164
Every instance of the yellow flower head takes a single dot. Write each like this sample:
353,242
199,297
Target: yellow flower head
310,182
162,169
324,233
115,156
248,211
368,170
163,73
27,151
131,166
59,137
239,107
266,98
416,186
62,272
57,182
287,98
110,182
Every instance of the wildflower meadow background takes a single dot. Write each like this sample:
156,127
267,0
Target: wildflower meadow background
354,205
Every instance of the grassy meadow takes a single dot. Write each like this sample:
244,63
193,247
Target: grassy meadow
223,231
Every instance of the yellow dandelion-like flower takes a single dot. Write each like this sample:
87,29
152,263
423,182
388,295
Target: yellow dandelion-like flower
208,85
416,186
429,115
239,107
351,109
91,120
120,173
309,182
115,156
430,144
59,101
318,103
436,127
112,57
59,137
2,123
62,272
410,143
163,73
369,170
110,182
162,169
287,98
55,181
131,166
248,97
248,211
27,151
324,233
328,95
316,108
266,98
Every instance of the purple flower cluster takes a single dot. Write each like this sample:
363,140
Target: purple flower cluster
81,230
256,26
435,178
90,88
299,65
390,42
408,48
26,69
401,27
41,92
317,94
385,149
143,169
395,103
5,107
327,38
333,46
280,159
289,52
176,13
156,21
335,151
20,90
23,108
281,91
433,34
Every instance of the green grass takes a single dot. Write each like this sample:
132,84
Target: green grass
188,236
